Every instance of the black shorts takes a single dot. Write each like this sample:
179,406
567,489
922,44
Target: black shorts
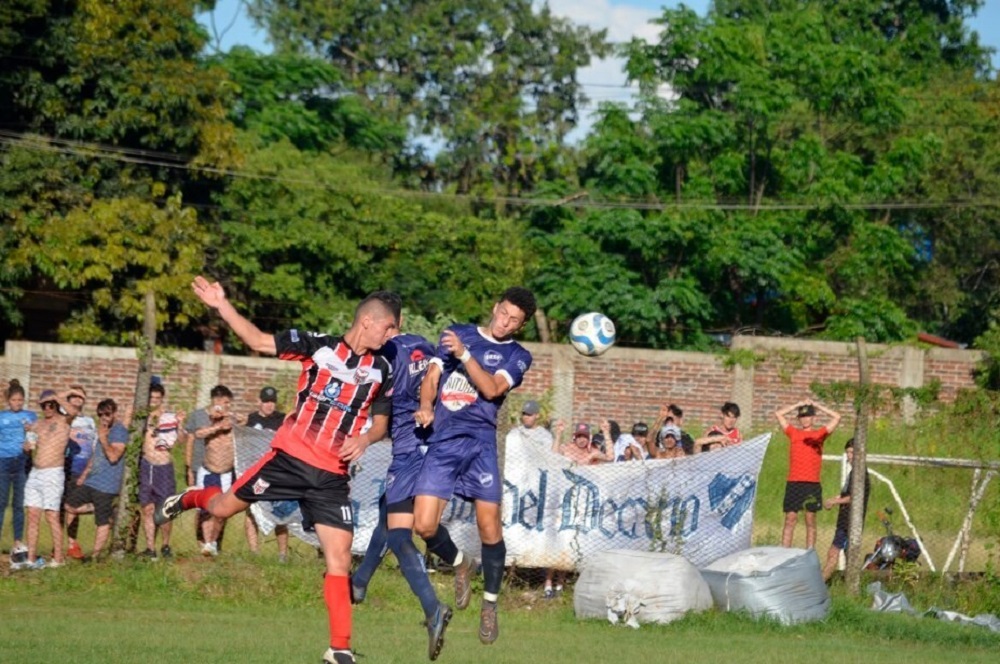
104,503
803,496
323,497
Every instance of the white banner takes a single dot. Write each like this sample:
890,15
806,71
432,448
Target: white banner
555,513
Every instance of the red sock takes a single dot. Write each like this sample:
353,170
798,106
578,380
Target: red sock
199,497
337,593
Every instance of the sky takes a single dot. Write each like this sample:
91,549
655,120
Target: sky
603,80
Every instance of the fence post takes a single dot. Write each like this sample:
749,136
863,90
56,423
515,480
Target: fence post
859,471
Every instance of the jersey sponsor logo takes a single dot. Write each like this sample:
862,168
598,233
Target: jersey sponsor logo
418,362
522,366
457,392
486,479
492,358
260,486
332,390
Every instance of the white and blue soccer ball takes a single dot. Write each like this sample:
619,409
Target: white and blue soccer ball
592,333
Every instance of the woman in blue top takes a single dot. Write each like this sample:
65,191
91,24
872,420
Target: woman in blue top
14,423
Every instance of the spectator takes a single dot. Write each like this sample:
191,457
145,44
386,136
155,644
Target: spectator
156,469
725,433
529,432
101,480
673,414
633,446
670,443
44,487
82,441
805,456
843,514
211,429
16,426
267,417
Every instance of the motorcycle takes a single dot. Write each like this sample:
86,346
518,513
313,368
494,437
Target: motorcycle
891,547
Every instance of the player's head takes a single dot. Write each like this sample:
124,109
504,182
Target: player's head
376,318
511,312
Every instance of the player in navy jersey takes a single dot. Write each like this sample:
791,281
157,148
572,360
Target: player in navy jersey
410,355
466,384
343,389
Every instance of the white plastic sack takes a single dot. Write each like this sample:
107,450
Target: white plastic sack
784,584
639,587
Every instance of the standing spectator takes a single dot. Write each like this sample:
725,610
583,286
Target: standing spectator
157,479
344,386
840,535
805,456
101,480
267,417
670,446
465,386
528,432
673,414
15,428
43,489
633,446
725,433
211,429
82,442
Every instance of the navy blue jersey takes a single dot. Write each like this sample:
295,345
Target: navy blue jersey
460,410
410,355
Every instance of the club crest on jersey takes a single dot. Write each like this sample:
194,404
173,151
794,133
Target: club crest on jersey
486,479
361,375
492,358
260,486
522,366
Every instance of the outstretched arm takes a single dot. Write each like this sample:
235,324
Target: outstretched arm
829,412
782,414
214,296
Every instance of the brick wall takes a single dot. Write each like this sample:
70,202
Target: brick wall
625,384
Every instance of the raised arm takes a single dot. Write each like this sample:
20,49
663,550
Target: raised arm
489,385
782,414
428,395
829,412
214,296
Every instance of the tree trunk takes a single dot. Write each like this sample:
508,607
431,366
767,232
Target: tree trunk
859,471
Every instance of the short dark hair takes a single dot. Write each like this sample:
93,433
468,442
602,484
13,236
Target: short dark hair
675,410
730,408
221,391
158,389
849,445
388,301
106,405
522,298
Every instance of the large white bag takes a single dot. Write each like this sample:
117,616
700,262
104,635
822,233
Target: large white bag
639,587
776,582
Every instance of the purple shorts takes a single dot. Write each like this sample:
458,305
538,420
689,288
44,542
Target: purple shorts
402,476
156,482
464,467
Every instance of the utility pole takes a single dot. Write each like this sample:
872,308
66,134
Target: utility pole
859,471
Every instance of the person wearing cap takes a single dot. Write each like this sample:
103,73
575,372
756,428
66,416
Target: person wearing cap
632,446
267,417
803,491
670,446
43,490
672,414
583,449
528,432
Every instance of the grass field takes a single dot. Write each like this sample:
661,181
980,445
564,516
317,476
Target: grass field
245,610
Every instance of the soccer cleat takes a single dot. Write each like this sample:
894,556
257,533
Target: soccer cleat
463,581
169,509
435,630
74,550
358,594
165,551
332,656
489,628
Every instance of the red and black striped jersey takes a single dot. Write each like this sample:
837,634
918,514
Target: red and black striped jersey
338,392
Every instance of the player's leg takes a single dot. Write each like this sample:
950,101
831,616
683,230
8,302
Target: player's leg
374,554
211,499
494,555
810,529
336,543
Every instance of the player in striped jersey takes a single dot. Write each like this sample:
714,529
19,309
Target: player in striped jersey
342,405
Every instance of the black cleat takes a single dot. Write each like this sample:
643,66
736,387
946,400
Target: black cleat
332,656
169,509
489,628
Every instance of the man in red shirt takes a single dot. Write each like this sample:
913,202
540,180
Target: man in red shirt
344,387
805,456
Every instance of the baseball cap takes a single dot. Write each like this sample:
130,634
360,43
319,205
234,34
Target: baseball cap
269,394
48,395
581,428
640,429
531,408
806,411
670,430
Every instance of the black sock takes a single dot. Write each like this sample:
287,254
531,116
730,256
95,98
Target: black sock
494,556
440,545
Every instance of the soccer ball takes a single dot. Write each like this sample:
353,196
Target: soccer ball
592,333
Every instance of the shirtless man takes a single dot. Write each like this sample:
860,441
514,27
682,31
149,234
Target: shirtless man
44,487
214,425
156,469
